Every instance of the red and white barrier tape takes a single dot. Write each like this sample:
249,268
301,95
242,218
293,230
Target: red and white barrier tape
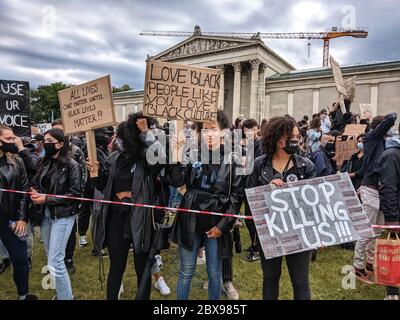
132,204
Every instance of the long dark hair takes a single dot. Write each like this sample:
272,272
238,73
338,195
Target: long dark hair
133,146
63,156
276,128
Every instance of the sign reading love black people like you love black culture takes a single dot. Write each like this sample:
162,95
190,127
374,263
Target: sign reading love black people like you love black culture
15,106
307,214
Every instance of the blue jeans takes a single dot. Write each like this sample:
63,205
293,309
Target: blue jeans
187,269
55,234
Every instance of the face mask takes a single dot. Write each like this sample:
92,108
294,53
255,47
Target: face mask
314,135
330,149
9,147
50,149
291,146
360,146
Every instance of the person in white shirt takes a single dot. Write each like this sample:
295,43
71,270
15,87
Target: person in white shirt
325,121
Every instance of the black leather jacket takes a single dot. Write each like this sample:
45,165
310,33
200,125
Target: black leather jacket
263,172
226,197
64,181
143,191
13,176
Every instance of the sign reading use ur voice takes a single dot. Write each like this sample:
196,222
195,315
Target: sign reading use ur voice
307,214
181,92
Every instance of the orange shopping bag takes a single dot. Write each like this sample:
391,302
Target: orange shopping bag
387,261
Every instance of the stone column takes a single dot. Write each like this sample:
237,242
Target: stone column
261,93
255,65
290,109
374,99
237,67
315,108
221,87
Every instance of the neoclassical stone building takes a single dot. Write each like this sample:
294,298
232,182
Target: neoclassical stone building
258,83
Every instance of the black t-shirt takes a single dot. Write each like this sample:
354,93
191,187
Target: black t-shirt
47,178
123,176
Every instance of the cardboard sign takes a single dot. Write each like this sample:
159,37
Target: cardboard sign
181,92
87,106
307,214
344,150
365,111
354,129
350,85
15,106
337,75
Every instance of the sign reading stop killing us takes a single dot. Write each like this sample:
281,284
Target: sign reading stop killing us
307,214
87,106
15,106
181,92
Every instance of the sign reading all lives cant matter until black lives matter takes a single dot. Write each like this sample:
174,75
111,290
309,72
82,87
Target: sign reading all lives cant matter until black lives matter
181,92
87,106
307,214
15,106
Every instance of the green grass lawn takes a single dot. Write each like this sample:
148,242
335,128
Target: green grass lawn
326,277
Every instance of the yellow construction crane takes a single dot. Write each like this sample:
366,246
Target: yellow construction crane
325,36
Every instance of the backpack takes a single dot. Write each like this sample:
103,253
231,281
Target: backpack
77,154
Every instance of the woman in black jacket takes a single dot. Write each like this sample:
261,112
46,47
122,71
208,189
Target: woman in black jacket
57,174
128,177
13,211
281,163
211,186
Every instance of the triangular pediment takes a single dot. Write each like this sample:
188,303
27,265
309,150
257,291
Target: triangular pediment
198,45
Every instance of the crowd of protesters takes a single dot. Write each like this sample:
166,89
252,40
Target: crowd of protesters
279,149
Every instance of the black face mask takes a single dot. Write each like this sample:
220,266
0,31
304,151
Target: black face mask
50,149
291,146
330,149
9,147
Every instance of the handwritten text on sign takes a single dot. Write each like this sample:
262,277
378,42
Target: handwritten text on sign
307,214
15,106
87,106
181,92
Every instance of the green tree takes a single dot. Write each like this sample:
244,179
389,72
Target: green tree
124,87
44,100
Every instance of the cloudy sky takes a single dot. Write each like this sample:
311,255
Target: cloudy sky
75,41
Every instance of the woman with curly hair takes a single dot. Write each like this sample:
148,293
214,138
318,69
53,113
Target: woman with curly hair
279,164
128,177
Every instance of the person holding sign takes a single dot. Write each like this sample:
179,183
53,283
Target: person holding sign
281,140
57,174
13,211
127,176
211,185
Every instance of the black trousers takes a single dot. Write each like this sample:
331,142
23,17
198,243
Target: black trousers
118,249
18,256
227,269
69,251
84,212
253,233
298,267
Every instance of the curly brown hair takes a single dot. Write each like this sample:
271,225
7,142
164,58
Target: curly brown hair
276,128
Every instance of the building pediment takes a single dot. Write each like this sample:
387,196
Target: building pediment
200,45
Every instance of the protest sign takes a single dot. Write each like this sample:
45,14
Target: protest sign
307,214
344,150
337,75
181,92
15,106
87,107
354,129
365,111
43,127
350,85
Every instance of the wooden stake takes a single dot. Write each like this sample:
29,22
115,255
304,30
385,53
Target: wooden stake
92,154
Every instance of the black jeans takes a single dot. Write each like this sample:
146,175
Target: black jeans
227,270
253,233
298,266
69,251
118,249
84,213
18,256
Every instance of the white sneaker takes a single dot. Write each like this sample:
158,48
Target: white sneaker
392,297
159,260
161,286
201,260
82,241
205,285
121,291
230,291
